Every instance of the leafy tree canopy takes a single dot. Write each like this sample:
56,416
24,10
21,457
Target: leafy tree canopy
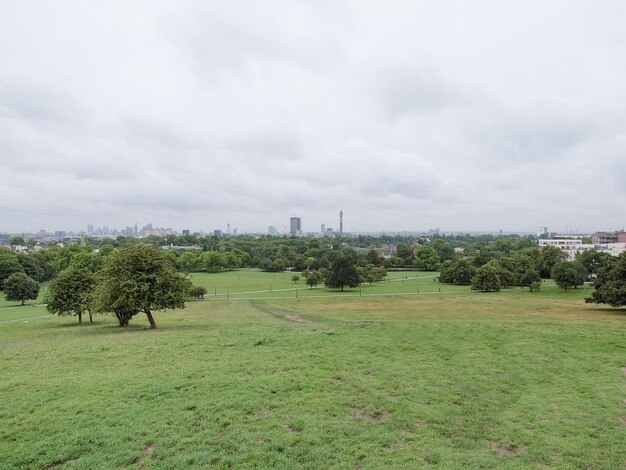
18,286
72,293
610,285
139,278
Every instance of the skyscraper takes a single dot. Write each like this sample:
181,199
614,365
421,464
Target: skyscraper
295,226
341,222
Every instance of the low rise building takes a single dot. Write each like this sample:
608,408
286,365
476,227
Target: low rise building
618,236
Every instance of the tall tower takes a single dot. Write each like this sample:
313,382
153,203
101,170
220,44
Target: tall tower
295,226
341,222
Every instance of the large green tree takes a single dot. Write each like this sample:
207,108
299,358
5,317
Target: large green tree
568,274
426,259
459,273
72,293
487,278
610,284
139,279
18,286
342,273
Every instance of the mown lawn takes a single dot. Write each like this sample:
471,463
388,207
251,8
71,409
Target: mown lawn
507,380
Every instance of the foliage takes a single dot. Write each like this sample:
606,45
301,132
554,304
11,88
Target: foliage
426,259
89,261
593,261
31,266
72,293
444,250
9,264
535,286
610,285
487,278
550,256
529,277
393,262
295,278
342,273
189,262
371,274
138,279
459,273
372,258
568,274
17,241
197,292
18,286
314,278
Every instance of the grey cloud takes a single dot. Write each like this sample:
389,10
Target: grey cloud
404,116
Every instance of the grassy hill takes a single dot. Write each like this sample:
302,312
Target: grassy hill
452,380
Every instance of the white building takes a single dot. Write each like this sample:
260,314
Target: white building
575,246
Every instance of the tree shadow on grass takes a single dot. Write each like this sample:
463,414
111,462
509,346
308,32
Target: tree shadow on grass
620,311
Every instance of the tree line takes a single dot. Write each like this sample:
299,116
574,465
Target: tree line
486,263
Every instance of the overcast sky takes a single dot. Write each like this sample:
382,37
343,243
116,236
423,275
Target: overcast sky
481,115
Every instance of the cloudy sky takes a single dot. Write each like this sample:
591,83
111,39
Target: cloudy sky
480,115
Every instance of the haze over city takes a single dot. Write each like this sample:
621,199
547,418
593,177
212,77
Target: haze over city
406,115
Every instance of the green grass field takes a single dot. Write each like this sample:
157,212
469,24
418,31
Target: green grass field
437,380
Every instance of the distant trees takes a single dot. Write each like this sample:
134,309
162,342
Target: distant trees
189,262
371,274
529,277
568,274
342,273
19,287
139,279
197,292
610,284
593,261
17,241
9,264
550,256
426,259
295,278
372,257
487,278
459,273
313,278
72,293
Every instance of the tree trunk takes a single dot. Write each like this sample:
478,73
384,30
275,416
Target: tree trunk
122,318
22,301
90,317
153,323
80,318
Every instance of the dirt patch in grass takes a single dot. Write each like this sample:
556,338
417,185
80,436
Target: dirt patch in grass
60,463
335,379
287,315
298,318
624,370
375,418
504,450
259,415
149,450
